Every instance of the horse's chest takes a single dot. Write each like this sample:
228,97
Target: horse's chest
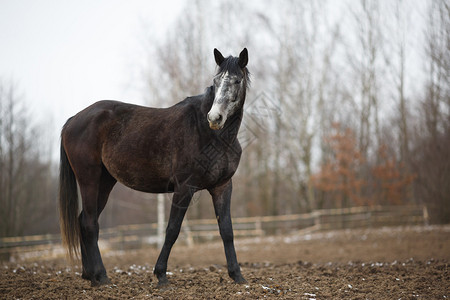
215,163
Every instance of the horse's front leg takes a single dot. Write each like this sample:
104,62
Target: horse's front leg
221,196
180,204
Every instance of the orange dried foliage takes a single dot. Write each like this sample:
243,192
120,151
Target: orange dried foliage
338,177
392,179
341,181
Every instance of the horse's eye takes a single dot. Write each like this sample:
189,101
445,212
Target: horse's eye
237,82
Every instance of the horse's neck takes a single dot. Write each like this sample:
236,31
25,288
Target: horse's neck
207,101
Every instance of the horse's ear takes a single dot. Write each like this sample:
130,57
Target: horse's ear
218,57
243,58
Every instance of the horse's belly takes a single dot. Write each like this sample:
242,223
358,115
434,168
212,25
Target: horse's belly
142,176
151,186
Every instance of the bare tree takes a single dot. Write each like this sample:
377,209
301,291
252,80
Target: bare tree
26,181
431,159
437,47
397,60
364,56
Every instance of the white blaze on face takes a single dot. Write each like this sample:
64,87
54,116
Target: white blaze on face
224,102
215,115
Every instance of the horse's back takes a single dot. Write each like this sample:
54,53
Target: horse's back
86,132
95,114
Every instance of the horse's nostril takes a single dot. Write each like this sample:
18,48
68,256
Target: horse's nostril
217,118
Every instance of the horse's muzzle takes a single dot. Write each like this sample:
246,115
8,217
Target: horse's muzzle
215,120
215,126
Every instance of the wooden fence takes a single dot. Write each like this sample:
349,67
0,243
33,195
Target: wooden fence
136,236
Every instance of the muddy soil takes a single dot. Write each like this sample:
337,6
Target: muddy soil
386,263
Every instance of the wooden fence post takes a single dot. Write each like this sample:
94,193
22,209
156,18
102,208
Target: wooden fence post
426,216
160,228
317,216
258,227
188,232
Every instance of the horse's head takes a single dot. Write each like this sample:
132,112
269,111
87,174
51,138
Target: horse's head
230,85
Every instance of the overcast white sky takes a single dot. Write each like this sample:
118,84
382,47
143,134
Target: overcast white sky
64,55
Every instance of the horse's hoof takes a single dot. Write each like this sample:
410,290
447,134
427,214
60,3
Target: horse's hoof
101,281
240,280
85,276
163,282
162,279
163,285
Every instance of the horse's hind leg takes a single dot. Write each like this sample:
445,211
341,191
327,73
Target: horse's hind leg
94,196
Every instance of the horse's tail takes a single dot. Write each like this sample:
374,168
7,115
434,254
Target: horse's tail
68,207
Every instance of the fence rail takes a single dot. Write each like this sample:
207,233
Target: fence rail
138,235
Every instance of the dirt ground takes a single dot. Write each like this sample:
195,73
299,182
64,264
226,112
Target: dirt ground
386,263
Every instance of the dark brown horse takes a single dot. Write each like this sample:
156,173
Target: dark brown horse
181,149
